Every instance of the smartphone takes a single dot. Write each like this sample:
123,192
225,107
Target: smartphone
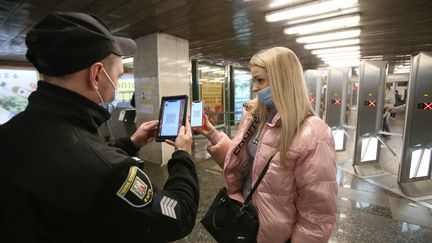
197,113
172,115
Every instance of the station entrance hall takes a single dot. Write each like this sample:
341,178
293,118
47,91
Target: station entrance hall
357,71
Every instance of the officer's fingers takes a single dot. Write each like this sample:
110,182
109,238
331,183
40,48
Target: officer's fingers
182,130
151,123
170,142
188,127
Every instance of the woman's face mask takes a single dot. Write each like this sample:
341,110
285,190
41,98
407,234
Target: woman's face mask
265,96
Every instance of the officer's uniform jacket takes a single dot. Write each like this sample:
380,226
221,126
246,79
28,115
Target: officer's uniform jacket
60,183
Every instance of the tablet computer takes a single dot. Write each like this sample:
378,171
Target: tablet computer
172,115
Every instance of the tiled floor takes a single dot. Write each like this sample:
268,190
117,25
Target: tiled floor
367,212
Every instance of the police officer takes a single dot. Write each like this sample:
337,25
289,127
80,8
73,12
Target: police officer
58,181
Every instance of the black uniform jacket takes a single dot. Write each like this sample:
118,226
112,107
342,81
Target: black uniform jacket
60,183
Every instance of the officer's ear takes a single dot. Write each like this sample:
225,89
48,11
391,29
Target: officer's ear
95,75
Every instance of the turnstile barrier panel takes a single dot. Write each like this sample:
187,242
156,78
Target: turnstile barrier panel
370,102
313,83
416,158
421,105
334,97
368,96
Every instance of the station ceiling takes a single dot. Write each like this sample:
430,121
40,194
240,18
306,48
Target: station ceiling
227,31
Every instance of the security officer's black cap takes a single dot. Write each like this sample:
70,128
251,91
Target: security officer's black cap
66,42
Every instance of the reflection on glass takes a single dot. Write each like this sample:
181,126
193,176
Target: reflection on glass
16,85
369,147
338,135
212,83
420,162
242,91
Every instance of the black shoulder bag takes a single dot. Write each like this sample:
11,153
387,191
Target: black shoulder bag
228,220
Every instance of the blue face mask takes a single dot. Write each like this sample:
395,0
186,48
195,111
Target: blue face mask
265,97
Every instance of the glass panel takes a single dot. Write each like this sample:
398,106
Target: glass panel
242,92
420,162
16,85
369,149
339,137
125,88
212,85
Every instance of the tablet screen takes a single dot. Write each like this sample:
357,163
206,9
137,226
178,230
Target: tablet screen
172,116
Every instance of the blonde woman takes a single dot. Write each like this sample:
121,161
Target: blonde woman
296,200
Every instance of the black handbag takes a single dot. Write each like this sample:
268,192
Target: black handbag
229,220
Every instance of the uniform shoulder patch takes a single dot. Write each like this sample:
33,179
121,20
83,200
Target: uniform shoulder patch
137,189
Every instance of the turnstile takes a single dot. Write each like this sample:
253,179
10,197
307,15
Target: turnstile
314,85
370,105
336,104
121,125
416,163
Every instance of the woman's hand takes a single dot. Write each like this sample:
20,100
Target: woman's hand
204,130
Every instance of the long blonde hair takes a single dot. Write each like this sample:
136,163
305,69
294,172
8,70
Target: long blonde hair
289,92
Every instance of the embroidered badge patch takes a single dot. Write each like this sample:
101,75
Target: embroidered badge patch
136,189
139,188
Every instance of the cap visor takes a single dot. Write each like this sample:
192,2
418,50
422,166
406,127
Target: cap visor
124,46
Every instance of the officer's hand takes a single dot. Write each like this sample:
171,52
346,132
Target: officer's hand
184,139
206,128
145,133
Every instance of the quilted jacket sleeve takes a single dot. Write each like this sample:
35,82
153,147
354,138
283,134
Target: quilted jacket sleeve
218,146
316,201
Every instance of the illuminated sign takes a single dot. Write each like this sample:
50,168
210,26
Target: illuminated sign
370,103
424,106
336,101
312,100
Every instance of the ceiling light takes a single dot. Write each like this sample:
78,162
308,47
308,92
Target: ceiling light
331,36
334,50
338,54
335,23
309,9
344,63
341,58
338,12
344,60
127,60
332,44
278,3
402,71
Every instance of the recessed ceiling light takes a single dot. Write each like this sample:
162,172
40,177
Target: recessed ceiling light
330,36
348,42
326,25
335,50
304,10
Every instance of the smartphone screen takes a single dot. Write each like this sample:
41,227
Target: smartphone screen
197,113
172,115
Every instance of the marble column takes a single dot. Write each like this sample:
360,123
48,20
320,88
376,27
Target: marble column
161,68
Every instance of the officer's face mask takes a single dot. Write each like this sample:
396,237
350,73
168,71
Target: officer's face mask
265,97
103,104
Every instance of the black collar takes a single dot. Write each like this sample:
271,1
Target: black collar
64,104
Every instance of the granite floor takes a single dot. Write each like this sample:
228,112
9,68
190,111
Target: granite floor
366,211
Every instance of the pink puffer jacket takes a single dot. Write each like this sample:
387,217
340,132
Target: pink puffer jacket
296,202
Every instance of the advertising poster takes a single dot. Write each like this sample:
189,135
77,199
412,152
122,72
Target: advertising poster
211,93
242,91
16,85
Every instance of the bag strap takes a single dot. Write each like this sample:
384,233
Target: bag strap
249,197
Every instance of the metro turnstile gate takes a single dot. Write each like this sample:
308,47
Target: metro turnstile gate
314,84
336,104
415,166
370,105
